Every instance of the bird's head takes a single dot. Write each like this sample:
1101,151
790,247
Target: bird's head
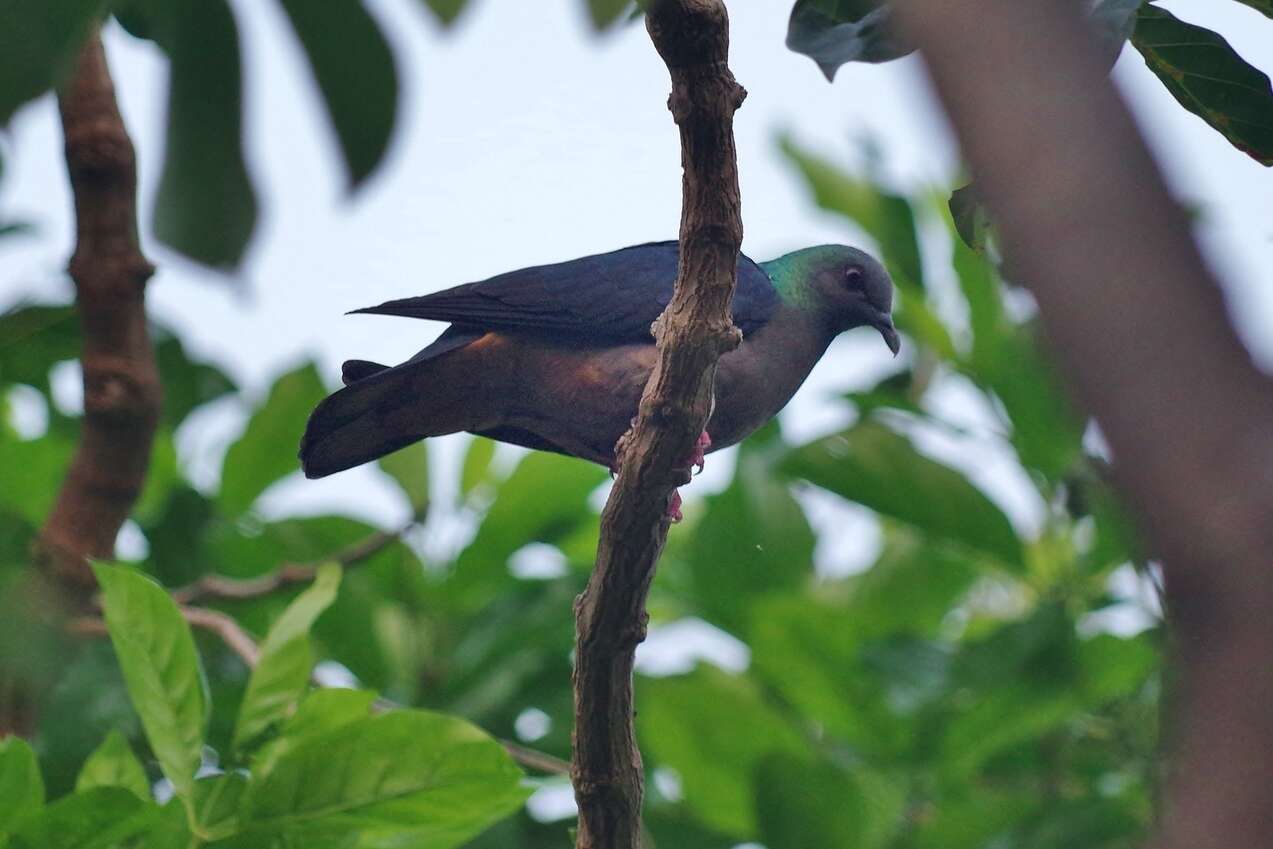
844,286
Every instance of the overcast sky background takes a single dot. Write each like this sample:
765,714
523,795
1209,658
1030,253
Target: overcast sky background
523,139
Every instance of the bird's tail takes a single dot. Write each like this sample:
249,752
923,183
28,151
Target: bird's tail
366,420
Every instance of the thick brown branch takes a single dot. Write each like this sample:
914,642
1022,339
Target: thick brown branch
121,381
1140,325
692,36
289,574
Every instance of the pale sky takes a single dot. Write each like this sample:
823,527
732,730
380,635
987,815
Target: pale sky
526,139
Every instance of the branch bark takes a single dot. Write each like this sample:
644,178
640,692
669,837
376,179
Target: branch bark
1140,327
692,36
121,381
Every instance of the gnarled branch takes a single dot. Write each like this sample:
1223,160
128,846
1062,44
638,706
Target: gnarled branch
1140,326
121,381
692,36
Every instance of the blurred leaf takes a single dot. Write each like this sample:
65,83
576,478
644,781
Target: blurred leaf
113,764
887,218
16,228
1082,822
34,338
187,383
753,540
409,467
835,32
21,787
33,471
266,451
1209,79
205,207
1045,431
715,730
446,10
165,680
1113,667
216,805
972,220
879,469
477,464
321,711
355,71
38,42
910,589
605,12
282,674
434,776
804,803
100,818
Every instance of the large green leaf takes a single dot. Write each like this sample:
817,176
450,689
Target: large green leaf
715,730
422,779
320,712
803,803
216,805
38,42
355,71
206,206
161,667
287,658
113,764
21,787
875,467
887,218
100,818
33,471
754,539
267,449
1209,79
409,468
835,32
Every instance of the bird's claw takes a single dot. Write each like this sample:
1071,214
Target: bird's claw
698,458
673,513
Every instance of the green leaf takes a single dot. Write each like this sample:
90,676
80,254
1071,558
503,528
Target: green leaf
887,218
804,803
266,451
409,467
216,805
715,730
834,32
21,786
33,339
113,764
477,464
754,539
446,10
38,42
320,712
1209,79
100,818
972,220
355,71
419,778
205,207
287,658
605,12
879,469
161,668
33,471
188,383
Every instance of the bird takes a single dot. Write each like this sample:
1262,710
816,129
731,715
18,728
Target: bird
555,357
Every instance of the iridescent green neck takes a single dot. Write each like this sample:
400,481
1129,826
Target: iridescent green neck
792,274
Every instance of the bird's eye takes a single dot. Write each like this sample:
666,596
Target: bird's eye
853,275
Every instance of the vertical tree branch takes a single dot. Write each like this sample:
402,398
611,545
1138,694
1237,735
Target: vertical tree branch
692,36
121,381
1140,326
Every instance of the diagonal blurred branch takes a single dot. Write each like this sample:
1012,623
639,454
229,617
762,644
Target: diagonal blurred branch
121,381
1139,323
289,574
692,36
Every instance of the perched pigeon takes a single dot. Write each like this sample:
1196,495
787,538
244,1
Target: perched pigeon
555,357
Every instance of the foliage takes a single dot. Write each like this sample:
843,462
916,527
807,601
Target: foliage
1198,67
959,692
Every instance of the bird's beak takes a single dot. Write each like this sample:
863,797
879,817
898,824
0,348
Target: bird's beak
885,326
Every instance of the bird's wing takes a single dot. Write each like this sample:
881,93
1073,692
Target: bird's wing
606,297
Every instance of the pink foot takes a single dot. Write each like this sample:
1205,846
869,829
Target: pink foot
673,512
697,458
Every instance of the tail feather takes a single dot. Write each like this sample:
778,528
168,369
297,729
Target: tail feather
356,425
353,371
